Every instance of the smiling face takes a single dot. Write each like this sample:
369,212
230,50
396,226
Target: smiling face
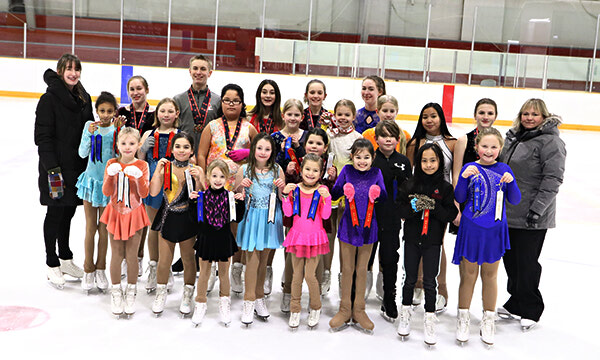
387,143
292,118
230,110
344,116
315,145
137,92
182,149
263,152
531,118
128,145
311,173
267,95
431,121
315,95
369,93
70,75
217,179
429,162
167,114
387,112
362,160
106,112
200,72
485,116
488,149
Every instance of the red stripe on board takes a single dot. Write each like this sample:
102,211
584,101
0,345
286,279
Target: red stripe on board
448,102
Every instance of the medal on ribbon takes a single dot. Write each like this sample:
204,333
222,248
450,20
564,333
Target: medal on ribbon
167,183
230,142
123,189
139,124
330,158
477,193
200,205
291,154
296,202
314,204
272,204
96,151
188,181
199,114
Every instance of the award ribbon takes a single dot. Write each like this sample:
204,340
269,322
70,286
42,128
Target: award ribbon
272,201
477,193
369,216
168,168
330,158
123,189
139,125
200,205
288,147
499,203
425,222
314,204
115,136
96,151
297,202
292,155
155,153
353,213
199,114
229,143
188,181
232,212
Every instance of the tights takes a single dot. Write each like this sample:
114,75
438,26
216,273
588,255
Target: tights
166,250
326,259
256,269
489,284
92,224
57,227
304,268
223,268
124,249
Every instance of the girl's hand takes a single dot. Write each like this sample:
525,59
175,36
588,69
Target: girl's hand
289,188
506,178
280,183
295,140
457,220
160,165
374,192
238,155
119,121
113,169
93,126
291,168
193,195
239,196
133,171
197,172
349,191
323,191
332,173
470,170
246,183
325,116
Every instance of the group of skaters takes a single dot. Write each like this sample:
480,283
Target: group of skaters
231,187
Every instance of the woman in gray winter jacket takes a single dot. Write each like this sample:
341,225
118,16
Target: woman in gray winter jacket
536,154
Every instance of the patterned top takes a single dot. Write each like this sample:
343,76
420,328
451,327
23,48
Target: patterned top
280,157
218,146
360,121
258,193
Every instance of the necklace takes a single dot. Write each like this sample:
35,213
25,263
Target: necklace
181,164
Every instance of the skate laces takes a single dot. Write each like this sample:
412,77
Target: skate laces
247,307
404,316
487,324
430,324
463,323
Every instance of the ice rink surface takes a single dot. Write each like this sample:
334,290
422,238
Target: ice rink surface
67,324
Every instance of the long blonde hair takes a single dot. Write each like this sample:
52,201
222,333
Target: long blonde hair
538,105
160,103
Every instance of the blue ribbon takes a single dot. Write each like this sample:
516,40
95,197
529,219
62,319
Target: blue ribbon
296,201
477,194
288,145
200,205
312,212
99,148
93,150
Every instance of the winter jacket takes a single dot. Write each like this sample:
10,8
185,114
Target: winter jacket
537,158
395,170
439,217
59,120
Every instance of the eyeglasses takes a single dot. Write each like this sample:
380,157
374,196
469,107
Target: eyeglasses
231,102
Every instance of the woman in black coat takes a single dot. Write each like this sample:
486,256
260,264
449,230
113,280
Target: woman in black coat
60,117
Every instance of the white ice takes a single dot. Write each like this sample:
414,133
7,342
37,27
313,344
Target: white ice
83,326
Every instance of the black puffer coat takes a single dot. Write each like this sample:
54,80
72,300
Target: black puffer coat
59,120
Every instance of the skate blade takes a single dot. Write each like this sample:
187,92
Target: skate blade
129,316
183,315
226,324
102,291
117,316
440,311
487,345
461,343
293,329
56,286
387,318
527,328
157,314
429,346
379,297
263,318
313,327
403,337
71,278
339,328
362,329
150,291
195,325
246,325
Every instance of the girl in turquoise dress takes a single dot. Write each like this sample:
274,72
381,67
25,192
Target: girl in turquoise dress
262,227
97,145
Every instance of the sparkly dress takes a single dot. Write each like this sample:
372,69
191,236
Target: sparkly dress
448,156
89,183
360,121
254,232
163,141
481,238
218,146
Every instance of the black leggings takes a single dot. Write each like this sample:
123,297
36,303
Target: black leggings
57,226
431,267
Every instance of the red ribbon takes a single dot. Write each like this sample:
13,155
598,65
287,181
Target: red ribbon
115,135
425,222
167,184
294,158
168,155
353,213
156,142
369,216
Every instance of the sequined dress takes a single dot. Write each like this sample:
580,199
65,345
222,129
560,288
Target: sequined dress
163,141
